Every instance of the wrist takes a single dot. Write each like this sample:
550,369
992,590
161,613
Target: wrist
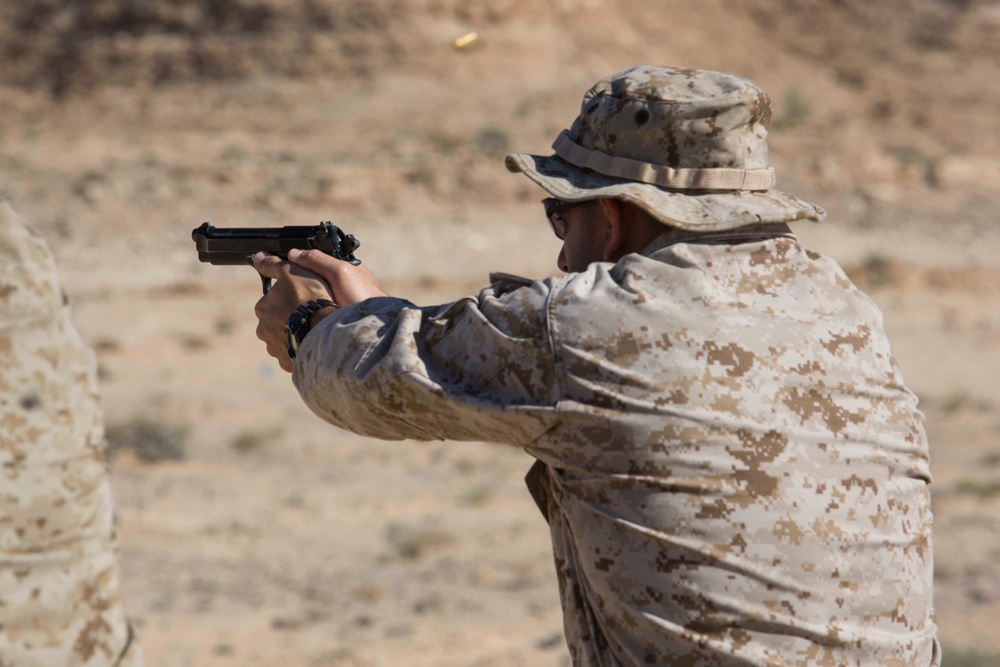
319,316
301,321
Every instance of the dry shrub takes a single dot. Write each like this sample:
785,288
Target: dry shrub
151,440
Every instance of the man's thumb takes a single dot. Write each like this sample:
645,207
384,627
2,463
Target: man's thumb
307,259
313,260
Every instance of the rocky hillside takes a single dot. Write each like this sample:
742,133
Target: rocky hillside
878,99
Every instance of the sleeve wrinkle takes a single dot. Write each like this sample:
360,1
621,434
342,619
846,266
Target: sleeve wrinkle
551,327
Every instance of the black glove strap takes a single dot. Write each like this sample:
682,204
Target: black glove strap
297,325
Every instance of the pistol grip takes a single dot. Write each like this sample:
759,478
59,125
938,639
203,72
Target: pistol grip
265,282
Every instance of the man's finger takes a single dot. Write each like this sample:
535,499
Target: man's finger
268,265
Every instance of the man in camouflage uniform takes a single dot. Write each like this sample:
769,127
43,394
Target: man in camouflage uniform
732,468
60,602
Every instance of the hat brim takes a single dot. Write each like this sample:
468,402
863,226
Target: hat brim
695,210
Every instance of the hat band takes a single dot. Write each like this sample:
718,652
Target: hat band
665,177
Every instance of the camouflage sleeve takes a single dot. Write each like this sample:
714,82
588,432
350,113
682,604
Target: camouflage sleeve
60,601
480,368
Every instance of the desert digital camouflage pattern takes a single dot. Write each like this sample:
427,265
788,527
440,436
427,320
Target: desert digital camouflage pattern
60,603
688,146
734,472
732,468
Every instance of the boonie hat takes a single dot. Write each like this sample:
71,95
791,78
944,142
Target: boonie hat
688,146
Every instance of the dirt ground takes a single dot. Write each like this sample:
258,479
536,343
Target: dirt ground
277,540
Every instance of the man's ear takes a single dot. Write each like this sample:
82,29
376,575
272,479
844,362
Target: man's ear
615,234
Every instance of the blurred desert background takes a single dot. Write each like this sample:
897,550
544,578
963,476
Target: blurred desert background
254,534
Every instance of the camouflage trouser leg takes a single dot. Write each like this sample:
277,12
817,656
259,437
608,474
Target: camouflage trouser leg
63,608
60,598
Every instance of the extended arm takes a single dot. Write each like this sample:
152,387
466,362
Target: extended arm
476,369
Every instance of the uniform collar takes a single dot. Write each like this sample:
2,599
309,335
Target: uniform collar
750,234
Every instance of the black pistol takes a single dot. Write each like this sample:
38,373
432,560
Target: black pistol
238,245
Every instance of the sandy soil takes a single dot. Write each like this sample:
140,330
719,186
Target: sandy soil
278,540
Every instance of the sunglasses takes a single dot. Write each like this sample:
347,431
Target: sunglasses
553,207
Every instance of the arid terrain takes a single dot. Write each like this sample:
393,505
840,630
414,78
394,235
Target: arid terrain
253,533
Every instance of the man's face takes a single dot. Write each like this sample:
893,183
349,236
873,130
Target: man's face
581,226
